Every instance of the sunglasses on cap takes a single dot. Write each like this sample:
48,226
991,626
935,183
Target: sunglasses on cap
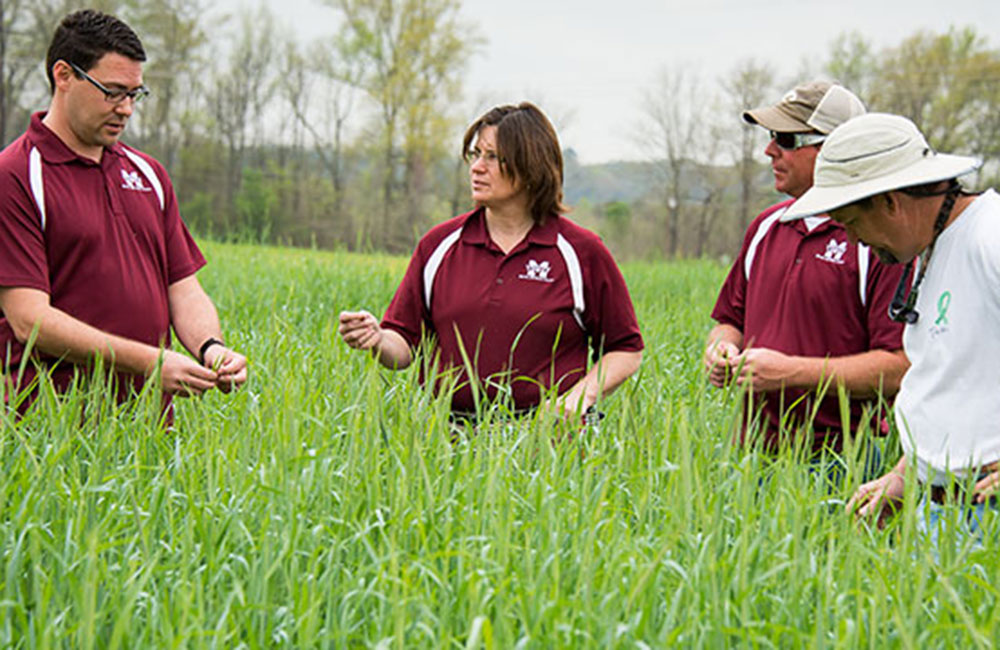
793,141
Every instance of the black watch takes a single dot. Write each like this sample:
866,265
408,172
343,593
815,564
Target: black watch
205,346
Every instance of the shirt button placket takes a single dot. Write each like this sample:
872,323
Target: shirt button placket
498,283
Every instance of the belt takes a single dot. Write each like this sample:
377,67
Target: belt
942,494
954,493
591,417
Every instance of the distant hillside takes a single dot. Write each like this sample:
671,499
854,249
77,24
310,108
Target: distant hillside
606,182
630,181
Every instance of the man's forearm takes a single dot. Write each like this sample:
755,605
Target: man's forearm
602,379
864,375
392,350
192,314
61,335
725,333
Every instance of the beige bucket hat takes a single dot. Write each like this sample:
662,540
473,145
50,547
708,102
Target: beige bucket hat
872,154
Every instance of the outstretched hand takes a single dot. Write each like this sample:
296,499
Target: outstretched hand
877,498
359,329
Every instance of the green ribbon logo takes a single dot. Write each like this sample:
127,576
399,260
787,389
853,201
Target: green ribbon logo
943,303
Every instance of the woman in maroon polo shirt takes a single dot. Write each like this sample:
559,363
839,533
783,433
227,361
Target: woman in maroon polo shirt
512,290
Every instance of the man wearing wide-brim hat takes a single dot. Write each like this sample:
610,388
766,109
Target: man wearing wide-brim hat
802,312
879,178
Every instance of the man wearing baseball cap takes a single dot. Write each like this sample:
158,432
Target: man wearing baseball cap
802,307
879,178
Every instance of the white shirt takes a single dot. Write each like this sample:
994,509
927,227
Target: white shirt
948,407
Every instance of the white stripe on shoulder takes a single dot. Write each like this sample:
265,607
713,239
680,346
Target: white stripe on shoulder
148,172
864,258
434,263
37,185
758,236
575,277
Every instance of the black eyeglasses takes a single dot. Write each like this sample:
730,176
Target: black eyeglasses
793,141
113,96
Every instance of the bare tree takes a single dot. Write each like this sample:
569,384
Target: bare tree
670,133
749,84
25,31
714,181
174,36
319,91
241,92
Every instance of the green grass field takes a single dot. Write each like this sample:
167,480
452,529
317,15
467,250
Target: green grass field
324,506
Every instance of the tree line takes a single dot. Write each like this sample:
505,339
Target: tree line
708,166
350,141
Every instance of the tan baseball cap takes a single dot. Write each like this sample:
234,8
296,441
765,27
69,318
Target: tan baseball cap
813,106
872,154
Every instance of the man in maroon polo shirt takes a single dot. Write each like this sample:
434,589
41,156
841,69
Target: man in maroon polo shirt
803,309
94,258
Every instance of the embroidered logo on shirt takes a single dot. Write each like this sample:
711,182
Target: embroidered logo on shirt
834,252
538,271
133,181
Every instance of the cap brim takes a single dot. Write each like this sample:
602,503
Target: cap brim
774,119
821,200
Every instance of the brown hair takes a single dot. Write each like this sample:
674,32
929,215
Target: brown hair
529,154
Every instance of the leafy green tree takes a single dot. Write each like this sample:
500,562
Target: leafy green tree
948,84
618,214
411,54
943,82
853,63
255,203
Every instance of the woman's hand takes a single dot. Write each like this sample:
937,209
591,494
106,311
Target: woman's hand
360,330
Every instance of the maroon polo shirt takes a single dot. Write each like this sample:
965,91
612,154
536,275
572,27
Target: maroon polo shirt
808,293
525,319
112,241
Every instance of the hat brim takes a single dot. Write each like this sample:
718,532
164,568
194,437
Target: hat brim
821,200
773,118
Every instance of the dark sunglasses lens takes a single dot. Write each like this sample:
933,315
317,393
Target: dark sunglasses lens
785,140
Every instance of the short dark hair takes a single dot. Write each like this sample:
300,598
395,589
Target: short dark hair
529,154
84,36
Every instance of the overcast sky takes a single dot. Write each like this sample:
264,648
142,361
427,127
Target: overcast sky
586,62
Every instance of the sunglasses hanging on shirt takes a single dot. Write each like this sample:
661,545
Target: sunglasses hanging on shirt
902,309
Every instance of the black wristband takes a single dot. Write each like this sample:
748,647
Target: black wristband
205,346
